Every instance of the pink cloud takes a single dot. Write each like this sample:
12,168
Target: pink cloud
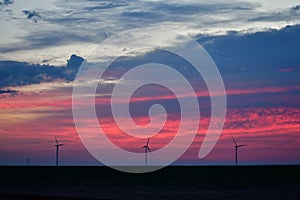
271,133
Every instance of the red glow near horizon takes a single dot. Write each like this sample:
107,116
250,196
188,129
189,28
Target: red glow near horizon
29,121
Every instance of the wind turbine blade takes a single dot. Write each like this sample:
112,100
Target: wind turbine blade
242,145
148,141
149,149
234,141
56,140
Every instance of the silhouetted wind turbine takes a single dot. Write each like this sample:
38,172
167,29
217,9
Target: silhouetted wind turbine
57,145
236,146
27,161
146,147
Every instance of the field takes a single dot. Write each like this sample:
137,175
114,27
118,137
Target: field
209,182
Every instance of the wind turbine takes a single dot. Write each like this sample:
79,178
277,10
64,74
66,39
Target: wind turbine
57,145
146,147
236,146
27,161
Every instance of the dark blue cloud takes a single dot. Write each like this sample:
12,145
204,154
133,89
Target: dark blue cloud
6,2
295,8
256,55
32,15
7,91
195,8
20,73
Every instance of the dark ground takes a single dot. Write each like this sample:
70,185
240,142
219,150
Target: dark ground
217,182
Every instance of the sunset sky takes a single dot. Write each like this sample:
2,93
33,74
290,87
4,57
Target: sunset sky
255,45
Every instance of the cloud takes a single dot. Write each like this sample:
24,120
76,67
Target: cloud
295,8
20,73
194,8
235,54
46,39
289,14
3,8
6,2
256,56
256,120
150,13
53,38
288,70
93,21
11,92
33,15
103,5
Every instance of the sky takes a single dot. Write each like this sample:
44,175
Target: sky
255,45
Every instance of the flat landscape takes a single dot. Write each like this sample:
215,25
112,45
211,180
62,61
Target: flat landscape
195,182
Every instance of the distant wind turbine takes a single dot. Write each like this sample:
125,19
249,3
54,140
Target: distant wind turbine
236,146
146,147
57,145
27,161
